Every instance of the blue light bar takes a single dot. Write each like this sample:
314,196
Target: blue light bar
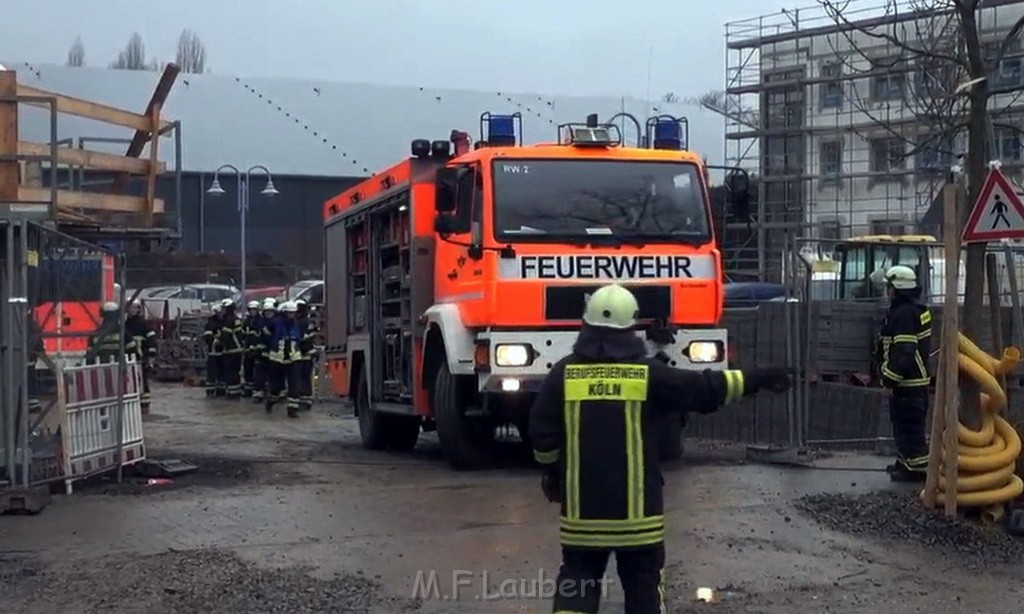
668,134
501,130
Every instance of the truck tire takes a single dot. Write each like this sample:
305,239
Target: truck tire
466,443
373,426
671,445
403,432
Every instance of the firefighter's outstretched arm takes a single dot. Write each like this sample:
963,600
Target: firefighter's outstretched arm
707,391
547,429
900,362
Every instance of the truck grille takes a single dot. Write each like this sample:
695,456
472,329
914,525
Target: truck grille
566,302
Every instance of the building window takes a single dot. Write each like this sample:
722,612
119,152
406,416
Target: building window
830,230
935,78
831,86
1009,72
888,85
887,155
936,153
888,227
831,159
1009,145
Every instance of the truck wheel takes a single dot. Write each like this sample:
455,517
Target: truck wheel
403,432
372,424
467,443
671,444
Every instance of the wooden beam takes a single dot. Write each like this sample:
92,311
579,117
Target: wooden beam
154,151
91,159
92,201
143,135
9,169
88,109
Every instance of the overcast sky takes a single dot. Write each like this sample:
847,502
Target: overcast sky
553,46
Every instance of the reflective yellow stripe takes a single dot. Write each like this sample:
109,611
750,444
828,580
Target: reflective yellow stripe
634,461
613,541
613,526
905,339
734,385
926,334
926,317
603,382
547,458
572,459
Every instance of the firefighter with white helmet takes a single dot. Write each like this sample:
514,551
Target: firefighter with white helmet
250,343
211,337
105,343
307,348
285,354
902,353
144,336
595,428
264,330
232,341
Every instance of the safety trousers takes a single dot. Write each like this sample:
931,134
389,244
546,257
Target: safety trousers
282,377
145,398
259,378
232,374
306,383
213,377
908,409
580,580
248,373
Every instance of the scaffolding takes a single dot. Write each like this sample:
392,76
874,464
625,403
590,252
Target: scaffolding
850,121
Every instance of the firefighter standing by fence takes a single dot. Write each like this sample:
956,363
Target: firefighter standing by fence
211,336
595,426
250,342
902,353
232,340
105,343
144,337
307,348
284,354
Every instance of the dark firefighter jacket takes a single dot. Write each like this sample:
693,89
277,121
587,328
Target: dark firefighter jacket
251,332
597,418
307,346
143,335
105,343
904,346
211,335
266,333
284,346
232,338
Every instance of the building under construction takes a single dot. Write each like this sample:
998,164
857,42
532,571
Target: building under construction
850,116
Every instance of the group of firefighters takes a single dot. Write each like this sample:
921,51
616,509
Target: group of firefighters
267,355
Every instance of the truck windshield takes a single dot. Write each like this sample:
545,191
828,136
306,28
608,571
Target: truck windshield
594,198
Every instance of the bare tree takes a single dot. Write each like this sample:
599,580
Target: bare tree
957,98
191,56
133,57
726,106
670,97
76,54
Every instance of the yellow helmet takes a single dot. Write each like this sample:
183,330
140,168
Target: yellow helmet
612,306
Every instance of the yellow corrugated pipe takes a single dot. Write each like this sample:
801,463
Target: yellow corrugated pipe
987,458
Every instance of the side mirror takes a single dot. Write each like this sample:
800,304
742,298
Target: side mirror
447,224
446,196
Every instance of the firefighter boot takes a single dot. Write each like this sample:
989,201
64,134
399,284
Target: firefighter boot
908,470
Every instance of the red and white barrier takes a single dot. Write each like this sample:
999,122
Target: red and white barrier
89,425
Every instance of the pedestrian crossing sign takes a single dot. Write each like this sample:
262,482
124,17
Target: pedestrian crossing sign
998,213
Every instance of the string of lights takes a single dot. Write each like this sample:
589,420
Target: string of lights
317,133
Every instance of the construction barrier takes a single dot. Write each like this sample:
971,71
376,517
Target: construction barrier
90,419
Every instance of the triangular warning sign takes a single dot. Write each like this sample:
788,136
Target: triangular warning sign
998,212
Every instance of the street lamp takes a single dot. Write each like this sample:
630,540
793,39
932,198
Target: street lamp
242,181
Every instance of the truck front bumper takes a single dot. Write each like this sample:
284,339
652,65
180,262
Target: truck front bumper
520,360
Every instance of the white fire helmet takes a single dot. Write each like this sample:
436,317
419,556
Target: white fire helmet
289,307
612,306
253,305
901,277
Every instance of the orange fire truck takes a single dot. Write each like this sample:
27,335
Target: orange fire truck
456,279
71,287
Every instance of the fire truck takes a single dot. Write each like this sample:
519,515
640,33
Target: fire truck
71,287
456,278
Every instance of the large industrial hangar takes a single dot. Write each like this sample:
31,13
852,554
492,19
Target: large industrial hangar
315,137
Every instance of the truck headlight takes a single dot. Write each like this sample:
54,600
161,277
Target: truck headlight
513,355
705,351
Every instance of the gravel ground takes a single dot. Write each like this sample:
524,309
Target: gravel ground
184,581
899,516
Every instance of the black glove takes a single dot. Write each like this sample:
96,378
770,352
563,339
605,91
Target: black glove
776,379
551,484
661,333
